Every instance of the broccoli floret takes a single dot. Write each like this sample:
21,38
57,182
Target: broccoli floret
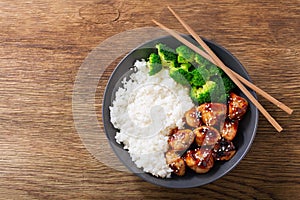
185,54
214,70
216,73
154,64
204,94
181,74
197,77
201,60
185,66
225,85
207,82
181,59
204,72
167,55
228,83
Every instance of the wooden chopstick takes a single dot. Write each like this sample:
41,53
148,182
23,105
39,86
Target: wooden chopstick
227,71
267,96
243,80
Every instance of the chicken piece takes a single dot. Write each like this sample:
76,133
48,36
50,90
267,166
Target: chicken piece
237,106
193,118
206,136
173,130
224,150
176,163
181,140
200,160
229,129
212,114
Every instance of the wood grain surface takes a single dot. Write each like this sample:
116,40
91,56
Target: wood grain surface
43,44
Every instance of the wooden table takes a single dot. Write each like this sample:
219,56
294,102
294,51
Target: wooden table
43,45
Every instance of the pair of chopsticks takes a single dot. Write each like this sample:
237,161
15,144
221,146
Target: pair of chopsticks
236,78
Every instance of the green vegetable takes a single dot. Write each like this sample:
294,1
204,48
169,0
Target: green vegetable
228,84
201,60
181,59
204,94
154,64
224,81
206,81
181,74
185,54
215,73
185,66
209,92
167,55
198,75
214,70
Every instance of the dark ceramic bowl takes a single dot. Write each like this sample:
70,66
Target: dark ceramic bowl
243,140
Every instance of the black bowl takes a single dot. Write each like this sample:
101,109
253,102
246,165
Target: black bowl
243,140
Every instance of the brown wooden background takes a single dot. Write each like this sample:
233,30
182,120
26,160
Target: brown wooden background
42,45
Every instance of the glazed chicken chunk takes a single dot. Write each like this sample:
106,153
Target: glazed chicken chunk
214,126
237,106
224,150
175,162
212,113
206,136
229,129
200,160
181,139
192,118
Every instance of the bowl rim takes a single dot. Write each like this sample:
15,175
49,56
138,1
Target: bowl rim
145,175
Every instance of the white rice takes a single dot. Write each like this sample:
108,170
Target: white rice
144,110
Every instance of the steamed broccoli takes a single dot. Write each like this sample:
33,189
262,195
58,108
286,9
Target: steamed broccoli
181,59
181,74
214,70
201,60
154,64
204,72
204,94
167,55
216,74
185,54
207,82
228,83
185,66
197,77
